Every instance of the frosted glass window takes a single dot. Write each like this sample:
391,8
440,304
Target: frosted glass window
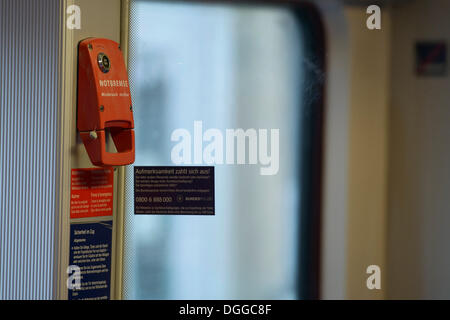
230,67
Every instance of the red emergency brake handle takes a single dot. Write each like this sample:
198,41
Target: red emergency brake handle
104,102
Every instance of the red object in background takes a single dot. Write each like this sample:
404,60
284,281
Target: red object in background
104,102
91,192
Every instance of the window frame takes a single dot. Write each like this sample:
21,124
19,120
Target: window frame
312,134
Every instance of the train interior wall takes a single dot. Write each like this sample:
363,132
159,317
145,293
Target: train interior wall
399,153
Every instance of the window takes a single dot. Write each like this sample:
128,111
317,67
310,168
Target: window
228,67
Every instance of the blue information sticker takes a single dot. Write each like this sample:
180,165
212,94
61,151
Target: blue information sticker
90,254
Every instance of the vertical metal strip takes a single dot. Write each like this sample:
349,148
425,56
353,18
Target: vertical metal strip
66,129
29,50
120,221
